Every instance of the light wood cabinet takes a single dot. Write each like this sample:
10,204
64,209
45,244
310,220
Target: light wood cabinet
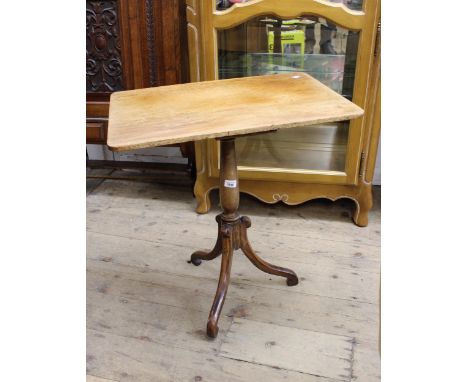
336,42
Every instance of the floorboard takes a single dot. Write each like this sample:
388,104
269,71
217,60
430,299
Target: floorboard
147,307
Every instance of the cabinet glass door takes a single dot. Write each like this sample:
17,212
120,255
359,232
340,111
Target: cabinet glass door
267,45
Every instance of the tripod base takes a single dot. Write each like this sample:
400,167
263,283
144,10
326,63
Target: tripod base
232,235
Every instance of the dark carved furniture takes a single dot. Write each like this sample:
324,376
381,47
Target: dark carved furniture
152,117
130,44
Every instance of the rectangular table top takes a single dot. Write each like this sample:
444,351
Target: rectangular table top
210,109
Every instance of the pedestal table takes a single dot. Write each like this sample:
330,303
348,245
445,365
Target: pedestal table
224,109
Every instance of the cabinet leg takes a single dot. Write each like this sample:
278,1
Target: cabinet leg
364,204
203,200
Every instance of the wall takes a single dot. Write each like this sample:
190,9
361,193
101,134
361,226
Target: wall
156,154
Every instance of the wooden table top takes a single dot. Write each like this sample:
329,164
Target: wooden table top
188,112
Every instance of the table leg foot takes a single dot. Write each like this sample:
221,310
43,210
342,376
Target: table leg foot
199,256
212,329
259,262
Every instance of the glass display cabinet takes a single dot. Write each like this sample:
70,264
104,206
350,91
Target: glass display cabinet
336,42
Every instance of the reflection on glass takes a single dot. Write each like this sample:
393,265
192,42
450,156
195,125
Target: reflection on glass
351,4
311,44
224,4
321,147
266,45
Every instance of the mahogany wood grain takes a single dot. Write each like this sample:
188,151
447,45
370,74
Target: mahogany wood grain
232,235
188,112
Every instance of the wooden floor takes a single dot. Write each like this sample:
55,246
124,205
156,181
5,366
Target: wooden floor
147,307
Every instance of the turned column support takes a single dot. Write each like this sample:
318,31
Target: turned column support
228,180
232,235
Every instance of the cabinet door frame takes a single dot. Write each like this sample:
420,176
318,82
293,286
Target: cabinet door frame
365,22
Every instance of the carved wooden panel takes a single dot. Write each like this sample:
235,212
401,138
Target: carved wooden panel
131,44
103,51
151,56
